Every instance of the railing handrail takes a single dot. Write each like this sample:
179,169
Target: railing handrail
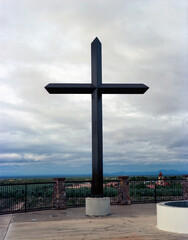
152,179
28,183
78,181
114,180
84,181
69,181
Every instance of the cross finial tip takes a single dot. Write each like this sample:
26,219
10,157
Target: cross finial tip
96,40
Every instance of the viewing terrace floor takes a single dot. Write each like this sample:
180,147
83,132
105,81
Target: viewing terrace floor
134,222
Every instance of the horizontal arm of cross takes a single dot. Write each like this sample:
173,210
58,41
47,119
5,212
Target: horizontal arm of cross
68,88
123,88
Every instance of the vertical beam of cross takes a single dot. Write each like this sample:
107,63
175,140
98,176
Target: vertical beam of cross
96,89
97,143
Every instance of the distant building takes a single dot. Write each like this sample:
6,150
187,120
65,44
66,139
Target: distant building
160,179
160,182
151,186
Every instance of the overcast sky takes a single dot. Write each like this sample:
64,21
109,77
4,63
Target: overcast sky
49,41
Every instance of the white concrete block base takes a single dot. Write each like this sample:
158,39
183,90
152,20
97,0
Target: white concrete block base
97,206
173,218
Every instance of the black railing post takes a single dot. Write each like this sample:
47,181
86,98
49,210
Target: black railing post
25,197
155,194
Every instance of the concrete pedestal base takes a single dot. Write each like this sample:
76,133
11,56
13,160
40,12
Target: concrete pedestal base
98,206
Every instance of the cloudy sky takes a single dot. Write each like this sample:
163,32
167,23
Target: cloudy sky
47,41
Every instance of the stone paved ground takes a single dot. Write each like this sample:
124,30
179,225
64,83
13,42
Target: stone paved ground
4,224
134,222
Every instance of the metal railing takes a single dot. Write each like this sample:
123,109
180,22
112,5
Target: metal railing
110,189
77,191
23,197
154,190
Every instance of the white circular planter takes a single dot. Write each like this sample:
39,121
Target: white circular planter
173,216
97,206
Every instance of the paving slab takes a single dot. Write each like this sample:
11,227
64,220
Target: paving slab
135,222
4,224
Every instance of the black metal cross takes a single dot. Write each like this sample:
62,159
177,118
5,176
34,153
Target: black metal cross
96,88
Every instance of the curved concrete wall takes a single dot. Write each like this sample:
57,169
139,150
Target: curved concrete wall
173,216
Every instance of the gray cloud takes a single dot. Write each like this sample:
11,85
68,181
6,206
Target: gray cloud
49,41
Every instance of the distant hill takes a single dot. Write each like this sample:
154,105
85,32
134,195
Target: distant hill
156,173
